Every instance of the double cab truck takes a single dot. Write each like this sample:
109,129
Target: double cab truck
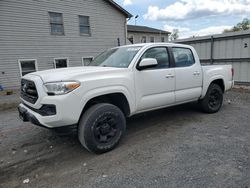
120,83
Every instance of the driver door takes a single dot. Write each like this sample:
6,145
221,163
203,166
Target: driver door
155,87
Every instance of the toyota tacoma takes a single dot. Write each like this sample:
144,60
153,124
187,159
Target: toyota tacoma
120,83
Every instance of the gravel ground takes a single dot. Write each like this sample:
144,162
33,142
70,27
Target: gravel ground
173,147
9,101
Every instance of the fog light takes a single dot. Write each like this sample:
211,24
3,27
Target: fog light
47,110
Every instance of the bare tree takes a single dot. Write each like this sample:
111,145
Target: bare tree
244,25
174,35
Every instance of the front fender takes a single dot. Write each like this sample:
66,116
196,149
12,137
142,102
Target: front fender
104,91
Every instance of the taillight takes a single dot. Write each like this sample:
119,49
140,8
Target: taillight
232,72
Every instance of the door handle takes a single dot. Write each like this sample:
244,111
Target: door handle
170,76
196,73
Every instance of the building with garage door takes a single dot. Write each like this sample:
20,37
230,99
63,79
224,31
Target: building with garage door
144,34
40,34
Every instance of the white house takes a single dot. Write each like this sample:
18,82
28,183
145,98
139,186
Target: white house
40,34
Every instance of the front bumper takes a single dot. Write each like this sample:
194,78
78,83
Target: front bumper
26,116
67,111
51,111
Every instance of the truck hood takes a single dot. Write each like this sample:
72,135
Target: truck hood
64,74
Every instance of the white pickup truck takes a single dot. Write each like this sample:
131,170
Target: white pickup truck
119,83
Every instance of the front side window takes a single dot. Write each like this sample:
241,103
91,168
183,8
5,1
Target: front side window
160,54
56,23
144,39
116,57
27,66
183,57
84,25
86,61
61,63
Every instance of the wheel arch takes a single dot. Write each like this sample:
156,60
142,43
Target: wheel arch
219,82
119,98
216,80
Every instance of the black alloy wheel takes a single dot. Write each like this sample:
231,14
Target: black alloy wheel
213,99
101,128
105,129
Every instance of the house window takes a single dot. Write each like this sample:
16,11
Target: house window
27,66
56,23
131,39
144,39
84,25
60,63
162,39
86,61
152,39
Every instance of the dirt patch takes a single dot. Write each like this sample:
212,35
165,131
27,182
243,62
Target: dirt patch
173,147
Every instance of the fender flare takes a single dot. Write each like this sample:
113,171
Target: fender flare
105,91
212,79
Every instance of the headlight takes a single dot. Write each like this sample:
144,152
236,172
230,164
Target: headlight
60,88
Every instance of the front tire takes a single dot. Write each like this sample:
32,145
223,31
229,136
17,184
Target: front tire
101,128
213,100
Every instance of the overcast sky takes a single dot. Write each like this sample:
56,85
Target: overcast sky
191,17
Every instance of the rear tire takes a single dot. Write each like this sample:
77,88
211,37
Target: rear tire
213,100
101,128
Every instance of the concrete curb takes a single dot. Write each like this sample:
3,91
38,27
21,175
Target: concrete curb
241,88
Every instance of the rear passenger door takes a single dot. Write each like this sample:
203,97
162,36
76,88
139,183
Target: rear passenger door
188,85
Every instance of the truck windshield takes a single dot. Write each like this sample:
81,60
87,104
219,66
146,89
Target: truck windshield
116,57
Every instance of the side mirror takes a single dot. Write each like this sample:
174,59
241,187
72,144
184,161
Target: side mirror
147,63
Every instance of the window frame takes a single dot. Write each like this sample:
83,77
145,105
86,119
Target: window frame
61,58
145,39
86,57
182,48
162,37
23,60
50,24
84,34
152,37
170,65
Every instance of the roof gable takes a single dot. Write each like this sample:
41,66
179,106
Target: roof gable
118,7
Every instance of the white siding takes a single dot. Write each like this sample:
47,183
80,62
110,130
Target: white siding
25,33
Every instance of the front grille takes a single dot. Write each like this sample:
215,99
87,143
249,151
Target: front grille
28,91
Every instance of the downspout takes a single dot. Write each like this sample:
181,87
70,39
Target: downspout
212,51
126,29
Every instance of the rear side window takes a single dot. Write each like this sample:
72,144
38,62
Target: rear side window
160,54
183,57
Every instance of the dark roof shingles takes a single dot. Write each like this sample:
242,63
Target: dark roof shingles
145,29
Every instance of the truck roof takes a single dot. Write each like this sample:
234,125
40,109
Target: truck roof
155,44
